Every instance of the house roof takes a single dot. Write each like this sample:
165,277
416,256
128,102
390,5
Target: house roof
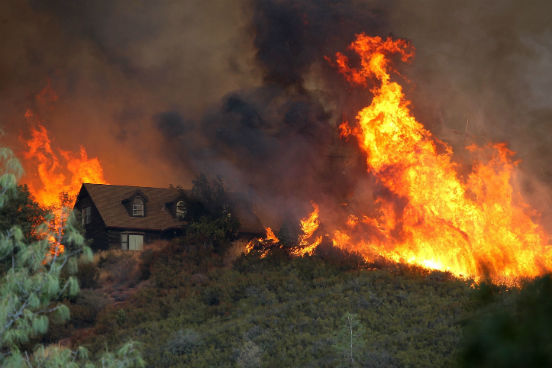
108,200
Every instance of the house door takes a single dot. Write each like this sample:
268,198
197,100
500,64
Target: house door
135,242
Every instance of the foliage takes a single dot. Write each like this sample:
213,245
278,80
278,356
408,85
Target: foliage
513,328
184,342
339,258
217,232
210,220
34,283
249,355
350,339
282,311
208,198
55,356
21,210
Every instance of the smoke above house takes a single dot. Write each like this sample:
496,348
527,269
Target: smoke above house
162,91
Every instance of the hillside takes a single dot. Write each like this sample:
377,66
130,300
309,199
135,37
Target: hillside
195,311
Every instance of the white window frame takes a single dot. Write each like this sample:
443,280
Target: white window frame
180,210
138,208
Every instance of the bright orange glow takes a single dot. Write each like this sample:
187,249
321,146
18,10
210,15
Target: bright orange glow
249,247
309,225
270,235
473,227
57,176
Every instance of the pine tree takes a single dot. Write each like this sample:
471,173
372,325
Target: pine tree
31,285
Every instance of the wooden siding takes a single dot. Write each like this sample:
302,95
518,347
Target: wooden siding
95,230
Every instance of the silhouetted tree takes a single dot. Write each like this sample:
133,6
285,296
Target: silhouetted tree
209,213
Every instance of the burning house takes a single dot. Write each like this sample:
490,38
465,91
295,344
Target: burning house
127,217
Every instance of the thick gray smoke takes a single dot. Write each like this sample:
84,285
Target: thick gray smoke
275,140
161,91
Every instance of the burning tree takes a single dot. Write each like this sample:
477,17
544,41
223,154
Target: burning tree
59,176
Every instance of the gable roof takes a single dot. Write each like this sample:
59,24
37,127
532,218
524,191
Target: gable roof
108,200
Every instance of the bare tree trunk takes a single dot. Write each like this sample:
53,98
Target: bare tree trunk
351,335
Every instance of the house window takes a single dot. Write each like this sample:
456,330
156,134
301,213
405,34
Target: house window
124,241
180,210
138,207
86,215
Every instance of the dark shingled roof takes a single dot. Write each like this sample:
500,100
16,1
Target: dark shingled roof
108,200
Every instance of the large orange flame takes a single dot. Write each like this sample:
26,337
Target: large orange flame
56,176
474,227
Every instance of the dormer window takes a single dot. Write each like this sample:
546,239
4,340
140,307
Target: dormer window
138,207
180,210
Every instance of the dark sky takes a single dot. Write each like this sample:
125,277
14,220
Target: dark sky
162,90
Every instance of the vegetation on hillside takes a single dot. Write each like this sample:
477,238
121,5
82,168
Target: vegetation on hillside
282,311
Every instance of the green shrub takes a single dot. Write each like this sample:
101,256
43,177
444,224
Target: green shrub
512,328
183,342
